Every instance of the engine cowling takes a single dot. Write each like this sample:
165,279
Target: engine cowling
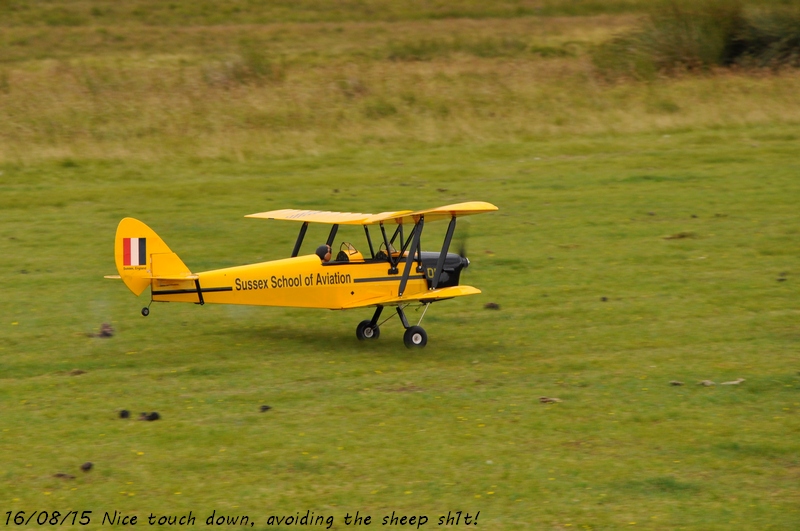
453,265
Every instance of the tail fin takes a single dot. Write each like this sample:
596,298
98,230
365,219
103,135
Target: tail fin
141,256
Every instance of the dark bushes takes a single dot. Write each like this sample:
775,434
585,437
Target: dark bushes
681,35
771,39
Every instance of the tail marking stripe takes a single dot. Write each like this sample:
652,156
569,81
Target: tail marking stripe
134,251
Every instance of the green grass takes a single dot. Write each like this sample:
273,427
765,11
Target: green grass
646,233
376,427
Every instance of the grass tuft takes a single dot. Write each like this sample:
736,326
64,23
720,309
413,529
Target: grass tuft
668,485
253,65
418,50
5,82
486,47
61,16
379,108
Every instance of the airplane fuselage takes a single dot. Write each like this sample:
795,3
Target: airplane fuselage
301,282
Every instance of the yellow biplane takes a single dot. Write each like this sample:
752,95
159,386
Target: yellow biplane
398,273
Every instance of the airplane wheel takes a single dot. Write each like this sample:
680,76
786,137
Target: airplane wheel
415,336
365,330
145,311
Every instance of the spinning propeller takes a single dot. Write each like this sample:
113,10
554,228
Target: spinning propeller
462,244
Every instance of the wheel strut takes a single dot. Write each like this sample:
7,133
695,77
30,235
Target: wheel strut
402,315
377,314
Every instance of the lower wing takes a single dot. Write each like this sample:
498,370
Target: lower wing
426,297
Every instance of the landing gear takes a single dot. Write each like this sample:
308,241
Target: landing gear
367,330
145,311
370,329
415,337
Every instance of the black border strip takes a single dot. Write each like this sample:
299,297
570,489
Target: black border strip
142,251
183,291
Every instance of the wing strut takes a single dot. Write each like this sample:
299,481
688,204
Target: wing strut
300,237
392,266
332,235
392,269
445,247
369,241
397,231
417,231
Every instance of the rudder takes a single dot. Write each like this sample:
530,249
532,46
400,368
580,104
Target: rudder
141,255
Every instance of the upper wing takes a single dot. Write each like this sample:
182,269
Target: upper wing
433,214
399,216
313,216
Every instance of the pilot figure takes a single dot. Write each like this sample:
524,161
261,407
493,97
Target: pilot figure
324,252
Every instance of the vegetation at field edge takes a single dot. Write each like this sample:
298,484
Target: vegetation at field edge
682,35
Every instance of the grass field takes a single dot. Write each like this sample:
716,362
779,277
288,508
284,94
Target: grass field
647,232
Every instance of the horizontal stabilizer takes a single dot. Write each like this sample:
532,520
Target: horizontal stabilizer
175,277
169,266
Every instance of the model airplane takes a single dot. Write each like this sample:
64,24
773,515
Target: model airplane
398,273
